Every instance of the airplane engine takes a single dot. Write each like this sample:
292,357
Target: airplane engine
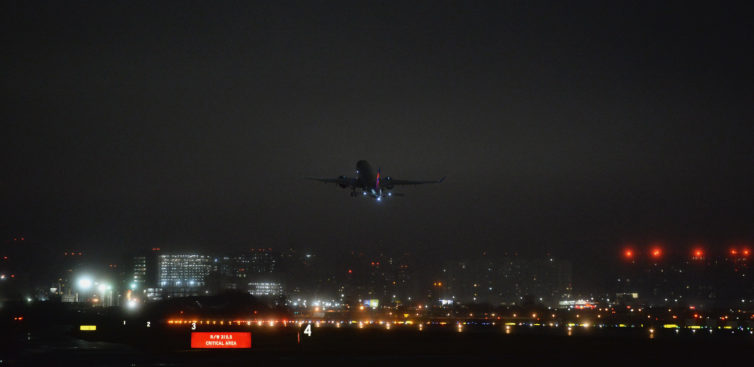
342,182
388,183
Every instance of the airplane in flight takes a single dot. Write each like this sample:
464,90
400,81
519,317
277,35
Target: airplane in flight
372,185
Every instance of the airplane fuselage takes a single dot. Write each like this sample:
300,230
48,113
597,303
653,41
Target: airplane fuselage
367,180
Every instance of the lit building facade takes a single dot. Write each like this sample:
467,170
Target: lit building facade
183,274
265,289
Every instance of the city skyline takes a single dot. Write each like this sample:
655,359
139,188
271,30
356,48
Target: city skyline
649,277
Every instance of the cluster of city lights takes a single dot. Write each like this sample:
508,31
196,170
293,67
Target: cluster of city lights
98,288
86,283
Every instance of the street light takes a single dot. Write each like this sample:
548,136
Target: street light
85,283
104,289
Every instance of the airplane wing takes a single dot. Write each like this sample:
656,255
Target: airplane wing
342,181
392,181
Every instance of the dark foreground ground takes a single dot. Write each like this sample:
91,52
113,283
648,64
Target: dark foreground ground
63,346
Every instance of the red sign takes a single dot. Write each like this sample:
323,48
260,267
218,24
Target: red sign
220,340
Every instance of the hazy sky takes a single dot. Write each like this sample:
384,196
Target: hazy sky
566,127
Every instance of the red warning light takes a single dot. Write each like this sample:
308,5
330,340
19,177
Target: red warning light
698,253
656,253
733,252
746,252
628,254
350,271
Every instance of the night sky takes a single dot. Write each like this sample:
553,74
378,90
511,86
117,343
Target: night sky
564,128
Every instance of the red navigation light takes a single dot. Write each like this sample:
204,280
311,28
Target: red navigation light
656,253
